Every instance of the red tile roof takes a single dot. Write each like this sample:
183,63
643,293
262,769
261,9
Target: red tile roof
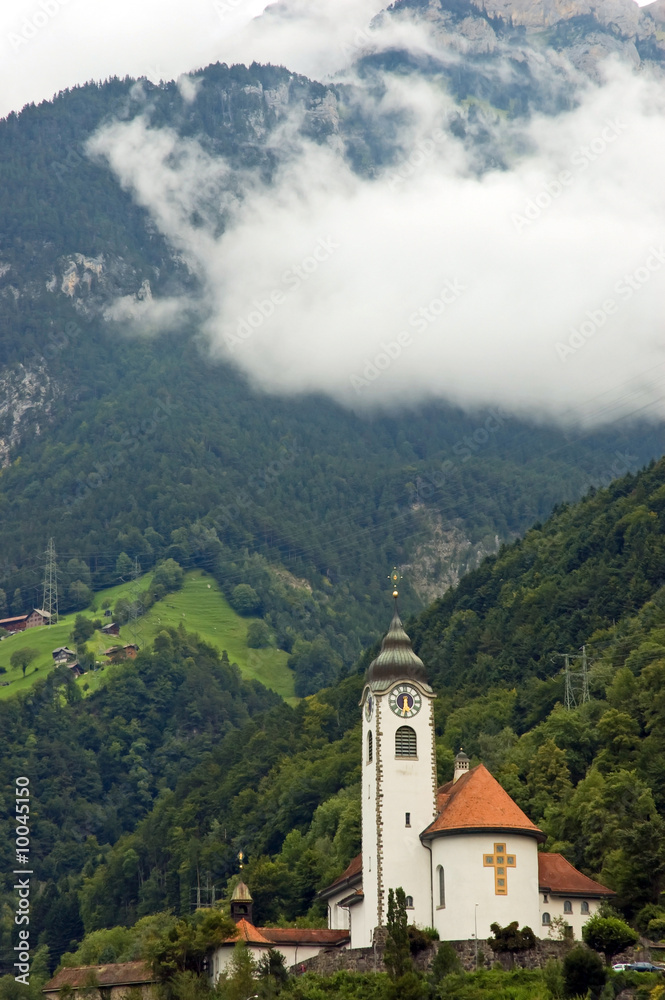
120,974
350,876
557,875
476,801
304,935
286,935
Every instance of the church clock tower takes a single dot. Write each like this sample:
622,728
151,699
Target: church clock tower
398,781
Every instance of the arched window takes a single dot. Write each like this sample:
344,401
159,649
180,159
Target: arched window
584,907
409,902
546,919
405,742
370,747
567,906
441,879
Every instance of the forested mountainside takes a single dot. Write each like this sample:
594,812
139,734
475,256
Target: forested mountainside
112,443
151,786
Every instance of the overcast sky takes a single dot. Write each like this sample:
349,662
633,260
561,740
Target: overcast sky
47,45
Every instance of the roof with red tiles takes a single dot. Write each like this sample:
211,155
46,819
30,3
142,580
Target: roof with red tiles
120,974
268,936
351,875
557,875
476,802
305,935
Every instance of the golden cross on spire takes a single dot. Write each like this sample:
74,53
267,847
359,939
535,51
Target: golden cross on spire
395,578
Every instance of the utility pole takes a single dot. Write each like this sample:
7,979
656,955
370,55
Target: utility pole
577,681
50,596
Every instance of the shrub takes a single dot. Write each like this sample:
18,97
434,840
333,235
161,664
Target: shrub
609,935
418,940
445,961
583,971
648,913
554,979
258,635
656,929
245,600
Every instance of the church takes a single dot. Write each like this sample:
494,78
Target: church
464,853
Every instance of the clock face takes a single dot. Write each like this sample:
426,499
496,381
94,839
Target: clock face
369,707
405,701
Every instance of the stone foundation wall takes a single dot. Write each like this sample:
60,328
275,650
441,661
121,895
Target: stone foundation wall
371,959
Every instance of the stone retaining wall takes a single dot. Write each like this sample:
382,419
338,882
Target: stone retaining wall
371,959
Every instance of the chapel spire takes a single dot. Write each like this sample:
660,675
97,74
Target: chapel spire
396,661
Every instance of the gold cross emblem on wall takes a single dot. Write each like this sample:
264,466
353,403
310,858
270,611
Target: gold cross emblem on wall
500,862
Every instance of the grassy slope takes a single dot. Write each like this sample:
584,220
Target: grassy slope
201,608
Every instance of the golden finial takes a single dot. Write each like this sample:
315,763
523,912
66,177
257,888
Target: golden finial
241,858
394,578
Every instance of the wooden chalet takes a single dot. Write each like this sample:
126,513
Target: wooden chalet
111,629
19,623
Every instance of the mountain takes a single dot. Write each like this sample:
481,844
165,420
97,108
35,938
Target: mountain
140,444
153,784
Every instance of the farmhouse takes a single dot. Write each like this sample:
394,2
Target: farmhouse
114,982
21,622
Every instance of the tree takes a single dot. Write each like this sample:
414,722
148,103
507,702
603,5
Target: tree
258,635
245,600
3,602
610,935
397,954
82,631
583,971
23,658
79,594
17,602
168,577
509,940
123,566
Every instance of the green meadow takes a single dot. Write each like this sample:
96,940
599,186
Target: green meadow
199,606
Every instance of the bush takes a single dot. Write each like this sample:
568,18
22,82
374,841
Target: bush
83,630
445,961
583,970
656,929
245,600
554,979
258,635
609,935
648,913
418,940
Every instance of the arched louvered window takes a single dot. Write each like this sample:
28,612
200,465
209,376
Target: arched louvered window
441,876
567,906
370,747
546,919
584,908
408,902
405,742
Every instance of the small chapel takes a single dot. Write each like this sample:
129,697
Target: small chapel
464,853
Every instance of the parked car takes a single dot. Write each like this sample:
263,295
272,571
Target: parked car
620,967
643,967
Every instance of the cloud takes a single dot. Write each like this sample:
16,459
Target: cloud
538,288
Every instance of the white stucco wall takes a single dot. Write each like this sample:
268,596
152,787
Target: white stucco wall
468,882
554,905
338,916
293,954
400,785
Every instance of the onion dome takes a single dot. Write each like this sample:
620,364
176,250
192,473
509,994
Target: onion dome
396,661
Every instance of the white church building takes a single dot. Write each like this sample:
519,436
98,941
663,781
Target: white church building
464,853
